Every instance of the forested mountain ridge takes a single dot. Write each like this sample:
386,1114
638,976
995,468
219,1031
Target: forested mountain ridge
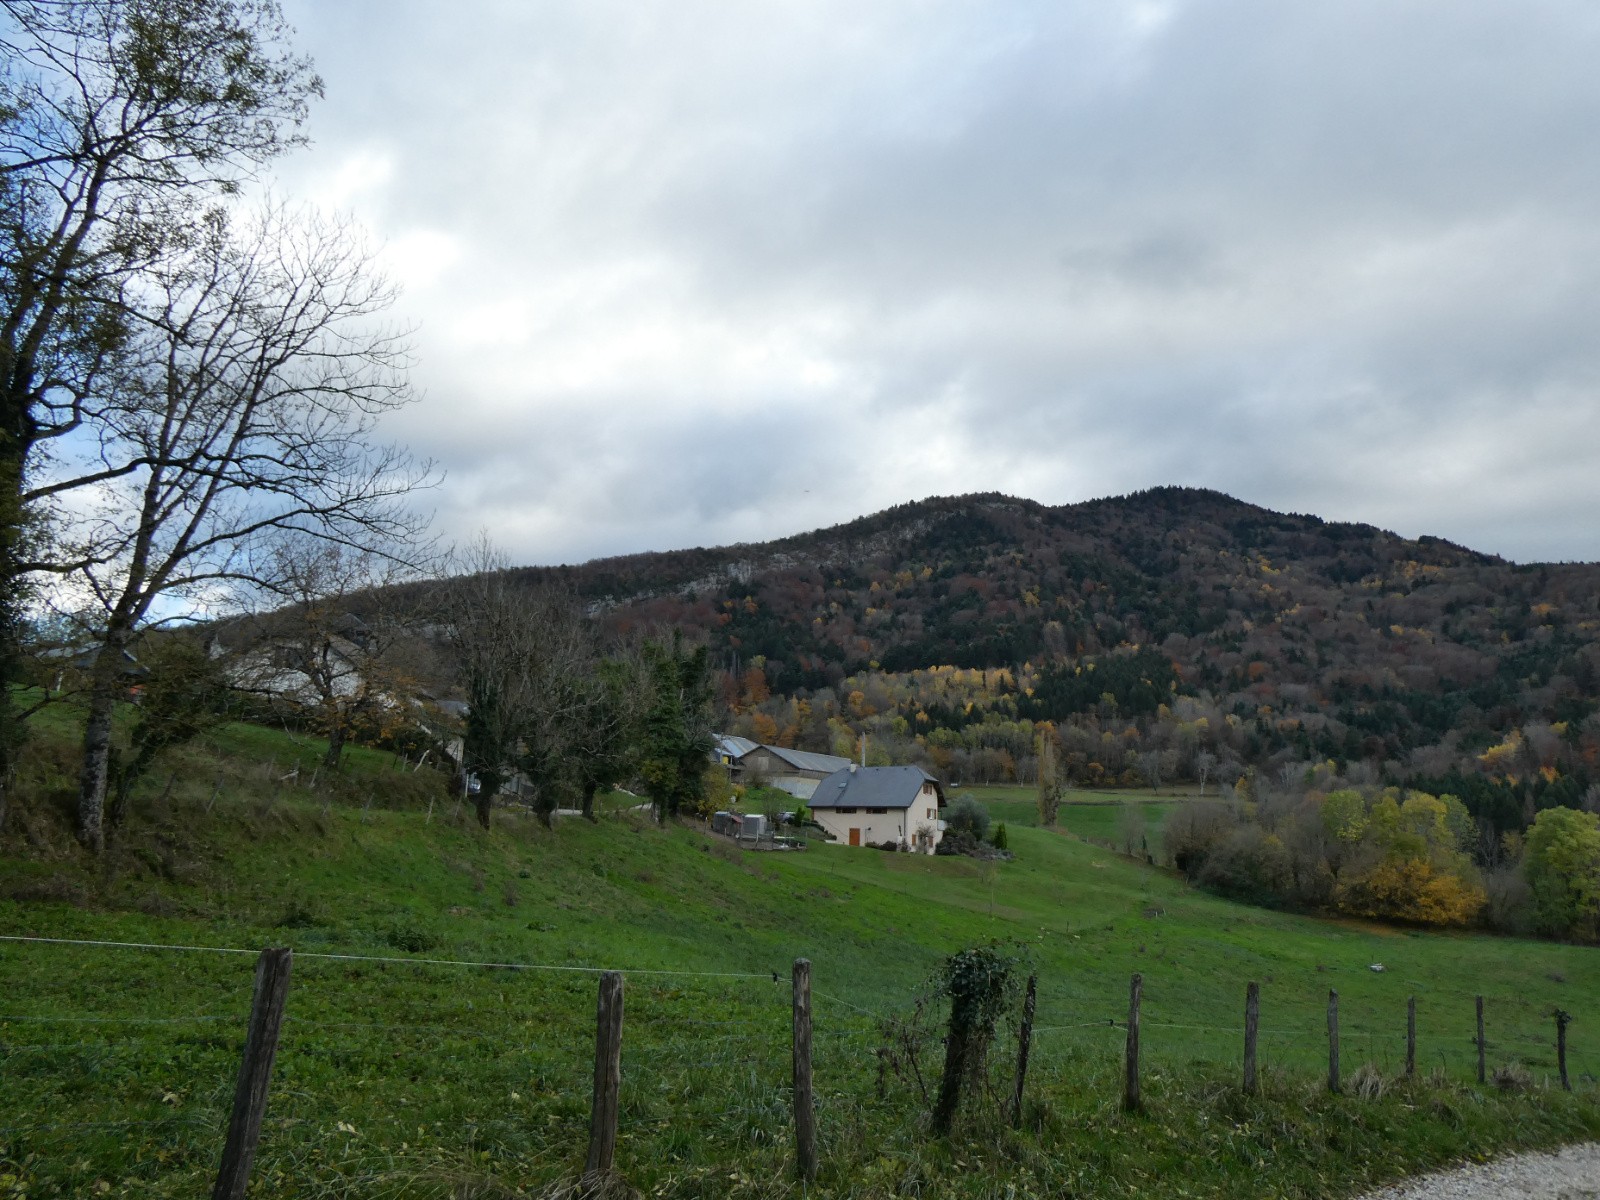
1321,639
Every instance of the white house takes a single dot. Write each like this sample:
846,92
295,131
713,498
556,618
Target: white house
867,806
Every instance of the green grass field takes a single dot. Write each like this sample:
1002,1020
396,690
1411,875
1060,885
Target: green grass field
1095,816
415,1078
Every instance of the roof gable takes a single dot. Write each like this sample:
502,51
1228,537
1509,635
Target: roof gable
873,787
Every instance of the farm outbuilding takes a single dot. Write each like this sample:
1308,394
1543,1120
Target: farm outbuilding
794,771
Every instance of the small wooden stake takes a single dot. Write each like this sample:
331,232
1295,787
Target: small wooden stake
1333,1042
1411,1037
1252,1021
1130,1087
255,1074
805,1112
1024,1044
607,1077
1561,1047
1482,1077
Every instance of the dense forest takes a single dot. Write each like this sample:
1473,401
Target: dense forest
1174,634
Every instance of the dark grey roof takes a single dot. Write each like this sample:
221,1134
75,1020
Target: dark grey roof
873,787
806,760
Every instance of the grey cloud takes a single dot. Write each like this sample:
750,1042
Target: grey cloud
731,272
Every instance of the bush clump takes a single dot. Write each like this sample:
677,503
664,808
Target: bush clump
967,816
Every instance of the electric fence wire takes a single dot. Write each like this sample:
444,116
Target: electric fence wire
390,959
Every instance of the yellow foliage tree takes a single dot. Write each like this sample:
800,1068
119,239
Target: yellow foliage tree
1410,889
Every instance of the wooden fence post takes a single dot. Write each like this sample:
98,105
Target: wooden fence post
1333,1041
255,1073
607,1076
1411,1037
805,1113
1482,1077
1024,1044
1130,1089
1252,1021
1562,1017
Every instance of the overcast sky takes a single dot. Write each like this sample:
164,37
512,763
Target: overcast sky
698,272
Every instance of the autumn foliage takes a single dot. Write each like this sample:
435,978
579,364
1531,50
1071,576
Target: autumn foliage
1388,855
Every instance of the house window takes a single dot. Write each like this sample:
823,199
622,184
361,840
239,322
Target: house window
877,810
847,810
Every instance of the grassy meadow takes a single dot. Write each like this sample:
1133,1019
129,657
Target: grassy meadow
414,1077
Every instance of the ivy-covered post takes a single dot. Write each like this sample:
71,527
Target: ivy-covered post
978,982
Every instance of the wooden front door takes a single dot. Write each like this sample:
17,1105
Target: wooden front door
855,837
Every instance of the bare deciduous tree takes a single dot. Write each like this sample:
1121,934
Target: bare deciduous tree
119,120
526,657
243,411
340,643
1049,792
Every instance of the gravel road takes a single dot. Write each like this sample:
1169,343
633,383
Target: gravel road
1571,1173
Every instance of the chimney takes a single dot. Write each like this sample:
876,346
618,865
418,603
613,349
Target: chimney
863,749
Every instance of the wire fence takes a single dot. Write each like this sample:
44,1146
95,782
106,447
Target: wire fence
495,1076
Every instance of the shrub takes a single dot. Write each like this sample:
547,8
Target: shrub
1508,907
955,842
1409,889
1251,864
997,839
967,816
1511,1077
1193,831
410,939
1367,1082
1562,865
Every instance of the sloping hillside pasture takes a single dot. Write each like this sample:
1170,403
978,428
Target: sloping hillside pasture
411,1078
1095,816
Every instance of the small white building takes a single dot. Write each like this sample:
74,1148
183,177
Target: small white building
868,806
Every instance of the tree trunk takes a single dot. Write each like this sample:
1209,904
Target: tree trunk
336,740
96,768
483,802
105,687
124,776
589,790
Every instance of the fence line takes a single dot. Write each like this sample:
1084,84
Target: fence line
118,1020
769,1098
379,958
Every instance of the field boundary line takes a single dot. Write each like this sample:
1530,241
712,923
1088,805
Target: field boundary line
379,958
